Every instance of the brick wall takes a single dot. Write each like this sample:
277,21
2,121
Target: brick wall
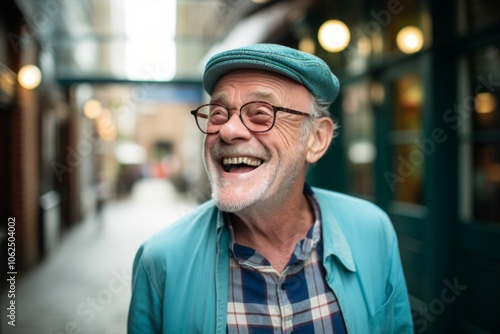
24,159
24,167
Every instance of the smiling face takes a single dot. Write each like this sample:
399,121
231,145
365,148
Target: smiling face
257,170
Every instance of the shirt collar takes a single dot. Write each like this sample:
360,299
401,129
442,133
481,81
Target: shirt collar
303,248
334,241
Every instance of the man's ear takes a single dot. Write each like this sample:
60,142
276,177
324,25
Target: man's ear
320,139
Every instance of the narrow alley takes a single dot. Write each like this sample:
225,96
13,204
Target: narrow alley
84,285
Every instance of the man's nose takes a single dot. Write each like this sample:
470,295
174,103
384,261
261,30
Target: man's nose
234,130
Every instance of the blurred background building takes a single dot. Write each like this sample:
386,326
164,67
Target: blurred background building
95,97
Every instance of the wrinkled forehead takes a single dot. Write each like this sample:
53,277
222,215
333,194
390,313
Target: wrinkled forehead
257,85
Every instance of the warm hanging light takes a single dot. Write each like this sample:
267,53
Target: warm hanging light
29,76
306,44
105,125
485,103
364,46
92,109
334,36
410,39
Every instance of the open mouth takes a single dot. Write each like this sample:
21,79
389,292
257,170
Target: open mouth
240,164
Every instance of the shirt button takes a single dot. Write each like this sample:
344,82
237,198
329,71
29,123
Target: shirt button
283,286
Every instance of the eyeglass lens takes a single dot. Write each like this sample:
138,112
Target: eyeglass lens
256,116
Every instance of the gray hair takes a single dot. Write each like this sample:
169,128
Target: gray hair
319,108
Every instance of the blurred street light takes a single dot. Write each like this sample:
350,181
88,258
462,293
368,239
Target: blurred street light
334,36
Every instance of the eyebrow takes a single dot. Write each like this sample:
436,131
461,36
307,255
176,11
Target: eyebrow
219,98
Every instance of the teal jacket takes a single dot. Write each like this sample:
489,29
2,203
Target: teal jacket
181,275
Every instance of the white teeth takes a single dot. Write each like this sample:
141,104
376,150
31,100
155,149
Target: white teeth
242,160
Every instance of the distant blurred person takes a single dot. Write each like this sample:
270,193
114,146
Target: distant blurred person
269,253
103,191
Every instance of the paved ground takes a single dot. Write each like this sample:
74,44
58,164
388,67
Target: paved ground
84,286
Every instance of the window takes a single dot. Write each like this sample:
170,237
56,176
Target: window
476,15
407,154
479,123
357,125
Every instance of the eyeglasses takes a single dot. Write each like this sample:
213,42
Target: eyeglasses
256,116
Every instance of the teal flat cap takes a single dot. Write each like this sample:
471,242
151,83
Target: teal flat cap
302,67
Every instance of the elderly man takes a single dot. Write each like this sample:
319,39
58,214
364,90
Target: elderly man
268,253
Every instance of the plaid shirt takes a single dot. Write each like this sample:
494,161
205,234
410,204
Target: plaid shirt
297,301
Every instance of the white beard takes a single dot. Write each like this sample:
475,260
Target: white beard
230,197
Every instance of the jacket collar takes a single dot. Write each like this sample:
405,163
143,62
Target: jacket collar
334,241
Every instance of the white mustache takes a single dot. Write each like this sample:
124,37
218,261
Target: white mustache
218,151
